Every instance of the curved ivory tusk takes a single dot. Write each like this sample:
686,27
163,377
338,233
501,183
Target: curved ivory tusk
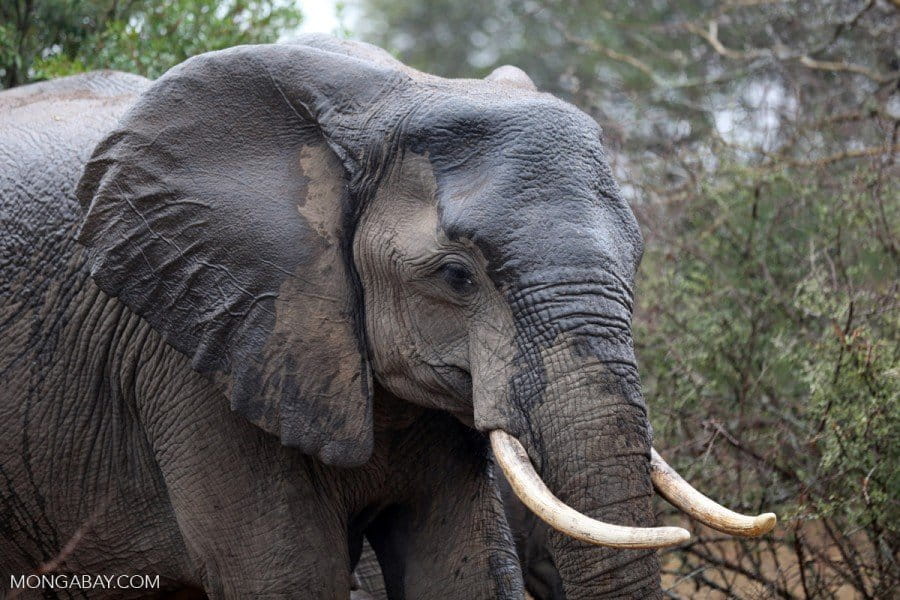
527,485
682,495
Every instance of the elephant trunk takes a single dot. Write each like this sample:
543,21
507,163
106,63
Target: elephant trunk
570,431
579,420
594,443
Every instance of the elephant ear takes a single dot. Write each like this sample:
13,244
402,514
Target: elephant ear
219,211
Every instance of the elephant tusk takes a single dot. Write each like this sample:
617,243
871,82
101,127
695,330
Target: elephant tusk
683,496
532,491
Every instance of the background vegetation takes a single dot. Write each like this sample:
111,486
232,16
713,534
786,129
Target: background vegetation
41,39
757,141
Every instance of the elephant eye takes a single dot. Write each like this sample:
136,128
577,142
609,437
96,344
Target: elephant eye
458,277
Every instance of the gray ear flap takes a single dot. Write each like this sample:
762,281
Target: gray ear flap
219,211
512,76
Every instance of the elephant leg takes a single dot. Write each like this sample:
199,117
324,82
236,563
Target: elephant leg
255,519
541,576
449,538
367,578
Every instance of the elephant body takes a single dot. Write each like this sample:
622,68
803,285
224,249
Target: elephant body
117,457
287,297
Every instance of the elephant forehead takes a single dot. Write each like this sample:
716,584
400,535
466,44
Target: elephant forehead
530,223
529,183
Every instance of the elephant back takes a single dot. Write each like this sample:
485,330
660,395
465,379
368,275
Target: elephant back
47,132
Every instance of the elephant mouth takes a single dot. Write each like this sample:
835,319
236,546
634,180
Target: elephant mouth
531,490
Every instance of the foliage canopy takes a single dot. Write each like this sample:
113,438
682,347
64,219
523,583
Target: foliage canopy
41,39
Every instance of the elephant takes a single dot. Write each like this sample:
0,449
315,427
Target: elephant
289,297
111,439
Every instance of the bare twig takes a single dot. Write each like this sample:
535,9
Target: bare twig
711,36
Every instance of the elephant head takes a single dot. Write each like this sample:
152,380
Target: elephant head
314,220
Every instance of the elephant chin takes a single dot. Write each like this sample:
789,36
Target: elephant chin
531,490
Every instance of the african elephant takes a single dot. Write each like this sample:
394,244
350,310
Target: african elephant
116,455
313,287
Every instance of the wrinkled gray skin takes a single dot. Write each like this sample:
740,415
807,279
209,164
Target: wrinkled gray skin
541,577
348,254
531,535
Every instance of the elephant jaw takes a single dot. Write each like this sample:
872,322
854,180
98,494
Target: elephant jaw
531,490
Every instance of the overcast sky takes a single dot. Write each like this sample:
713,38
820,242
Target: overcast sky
318,16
